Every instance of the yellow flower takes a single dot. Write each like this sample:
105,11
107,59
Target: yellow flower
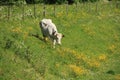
117,77
25,35
77,70
89,31
93,63
81,56
17,30
30,28
60,14
102,57
75,54
57,65
112,48
99,17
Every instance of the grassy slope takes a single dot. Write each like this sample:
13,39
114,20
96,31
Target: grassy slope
90,49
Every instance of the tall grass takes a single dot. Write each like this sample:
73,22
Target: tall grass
89,51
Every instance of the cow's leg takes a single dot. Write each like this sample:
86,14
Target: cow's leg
45,38
54,42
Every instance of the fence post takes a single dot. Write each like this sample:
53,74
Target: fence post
67,7
76,6
44,10
117,4
34,10
96,7
23,12
54,10
89,7
8,10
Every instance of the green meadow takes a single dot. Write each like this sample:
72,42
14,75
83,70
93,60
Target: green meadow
90,49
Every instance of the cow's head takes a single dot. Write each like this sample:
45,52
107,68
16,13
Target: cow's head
58,37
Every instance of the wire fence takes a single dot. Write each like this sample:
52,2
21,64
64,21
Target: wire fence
41,10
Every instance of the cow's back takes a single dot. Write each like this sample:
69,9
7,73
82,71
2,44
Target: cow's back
47,27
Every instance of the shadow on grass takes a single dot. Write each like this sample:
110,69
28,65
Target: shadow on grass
38,37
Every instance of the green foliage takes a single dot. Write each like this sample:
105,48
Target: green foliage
69,1
19,2
54,1
34,1
12,2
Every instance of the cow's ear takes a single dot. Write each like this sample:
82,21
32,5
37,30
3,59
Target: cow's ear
54,33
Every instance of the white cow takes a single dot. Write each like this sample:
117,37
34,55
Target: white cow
49,30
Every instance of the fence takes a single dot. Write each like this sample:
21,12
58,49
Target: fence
41,10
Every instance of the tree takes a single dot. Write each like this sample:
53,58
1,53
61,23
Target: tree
12,2
54,1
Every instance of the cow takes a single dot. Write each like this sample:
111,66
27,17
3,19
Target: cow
48,29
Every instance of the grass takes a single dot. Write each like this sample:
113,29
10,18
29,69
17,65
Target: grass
89,51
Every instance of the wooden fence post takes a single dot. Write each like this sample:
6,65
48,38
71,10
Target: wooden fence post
67,7
34,10
8,11
76,7
96,7
117,4
23,11
89,7
54,10
44,10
